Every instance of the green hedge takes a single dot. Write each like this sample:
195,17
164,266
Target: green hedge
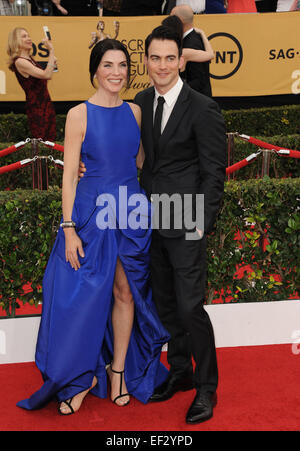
14,127
29,221
282,120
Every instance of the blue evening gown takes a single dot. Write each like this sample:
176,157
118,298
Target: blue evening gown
75,339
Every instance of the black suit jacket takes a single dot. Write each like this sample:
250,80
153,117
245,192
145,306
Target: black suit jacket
141,7
77,8
196,74
170,4
191,158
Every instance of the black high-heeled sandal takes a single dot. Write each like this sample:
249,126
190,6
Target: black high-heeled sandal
120,395
68,403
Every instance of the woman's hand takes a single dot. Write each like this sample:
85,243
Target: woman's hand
198,30
48,44
81,170
73,247
59,7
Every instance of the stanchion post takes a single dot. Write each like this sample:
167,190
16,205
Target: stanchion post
34,164
230,152
39,168
44,174
266,156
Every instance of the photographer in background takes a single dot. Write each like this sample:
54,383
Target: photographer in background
65,7
6,7
76,8
141,7
41,7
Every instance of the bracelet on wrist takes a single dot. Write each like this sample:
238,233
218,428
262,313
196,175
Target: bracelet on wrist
67,224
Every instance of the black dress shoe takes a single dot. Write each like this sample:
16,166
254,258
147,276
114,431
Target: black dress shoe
172,385
201,408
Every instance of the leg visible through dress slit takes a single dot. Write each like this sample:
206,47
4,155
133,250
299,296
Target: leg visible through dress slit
122,322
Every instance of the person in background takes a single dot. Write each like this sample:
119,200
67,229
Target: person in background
216,6
6,7
141,7
190,54
295,6
46,8
241,6
76,8
196,74
266,6
284,5
198,6
112,7
33,80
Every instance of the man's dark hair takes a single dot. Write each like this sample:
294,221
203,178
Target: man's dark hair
98,52
164,33
175,23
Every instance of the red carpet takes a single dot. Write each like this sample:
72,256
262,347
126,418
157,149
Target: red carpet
259,390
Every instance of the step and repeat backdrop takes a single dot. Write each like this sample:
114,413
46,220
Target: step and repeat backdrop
255,54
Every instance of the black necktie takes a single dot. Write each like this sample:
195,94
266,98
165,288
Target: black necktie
157,121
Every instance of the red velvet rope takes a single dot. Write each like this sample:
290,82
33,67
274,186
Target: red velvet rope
265,145
12,149
54,145
237,166
294,154
14,166
58,147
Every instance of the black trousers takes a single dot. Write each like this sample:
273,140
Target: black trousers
266,6
178,277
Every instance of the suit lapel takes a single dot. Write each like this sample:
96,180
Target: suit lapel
147,119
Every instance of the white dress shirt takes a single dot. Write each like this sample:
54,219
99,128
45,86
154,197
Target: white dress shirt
187,32
198,6
283,5
170,100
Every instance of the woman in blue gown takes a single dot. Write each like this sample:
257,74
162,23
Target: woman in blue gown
99,323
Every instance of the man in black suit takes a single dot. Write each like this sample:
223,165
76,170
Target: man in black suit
141,7
76,8
198,5
184,153
196,74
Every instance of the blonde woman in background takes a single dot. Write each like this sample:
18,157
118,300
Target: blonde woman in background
33,80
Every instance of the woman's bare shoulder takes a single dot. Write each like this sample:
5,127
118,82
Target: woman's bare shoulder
136,111
77,112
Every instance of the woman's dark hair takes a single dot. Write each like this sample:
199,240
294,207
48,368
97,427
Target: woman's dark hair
162,33
175,23
97,54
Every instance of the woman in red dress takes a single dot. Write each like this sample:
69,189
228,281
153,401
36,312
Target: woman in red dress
33,79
